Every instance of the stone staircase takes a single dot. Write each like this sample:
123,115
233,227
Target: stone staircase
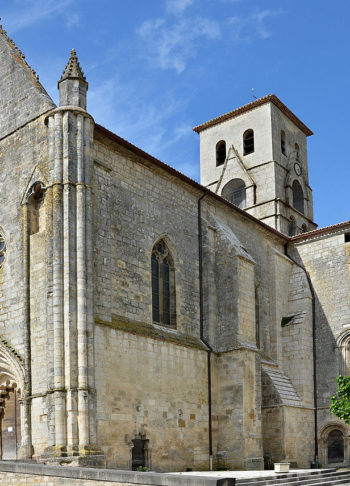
322,477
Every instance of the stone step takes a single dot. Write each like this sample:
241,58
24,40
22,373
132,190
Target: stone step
311,479
294,474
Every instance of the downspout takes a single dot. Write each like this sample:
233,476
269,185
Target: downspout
201,327
314,356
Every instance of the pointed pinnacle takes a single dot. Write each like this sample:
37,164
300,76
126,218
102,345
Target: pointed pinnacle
73,69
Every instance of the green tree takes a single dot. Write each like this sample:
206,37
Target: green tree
340,402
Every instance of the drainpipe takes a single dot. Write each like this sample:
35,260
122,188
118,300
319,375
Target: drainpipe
313,300
201,327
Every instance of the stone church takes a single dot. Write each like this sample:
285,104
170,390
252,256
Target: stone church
150,321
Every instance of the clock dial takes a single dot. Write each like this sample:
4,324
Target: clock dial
297,169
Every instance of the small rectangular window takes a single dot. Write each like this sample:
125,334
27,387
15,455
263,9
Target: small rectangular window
347,237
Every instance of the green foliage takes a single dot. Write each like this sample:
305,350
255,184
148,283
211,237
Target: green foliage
340,402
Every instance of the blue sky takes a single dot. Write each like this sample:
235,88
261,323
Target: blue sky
156,68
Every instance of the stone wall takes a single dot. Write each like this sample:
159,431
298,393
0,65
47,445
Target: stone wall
327,257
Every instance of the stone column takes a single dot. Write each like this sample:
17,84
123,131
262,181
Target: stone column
57,285
25,451
82,331
70,277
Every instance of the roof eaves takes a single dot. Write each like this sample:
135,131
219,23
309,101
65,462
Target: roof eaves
271,98
320,231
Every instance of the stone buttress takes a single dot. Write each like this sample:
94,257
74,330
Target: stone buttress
70,130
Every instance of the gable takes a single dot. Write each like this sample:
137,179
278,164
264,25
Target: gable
22,97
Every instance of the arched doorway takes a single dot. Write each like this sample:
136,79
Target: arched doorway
15,438
10,422
335,446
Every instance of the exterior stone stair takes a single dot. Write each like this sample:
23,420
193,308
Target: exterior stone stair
323,477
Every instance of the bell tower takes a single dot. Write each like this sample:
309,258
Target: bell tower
256,157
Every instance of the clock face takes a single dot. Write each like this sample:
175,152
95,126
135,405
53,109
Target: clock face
297,169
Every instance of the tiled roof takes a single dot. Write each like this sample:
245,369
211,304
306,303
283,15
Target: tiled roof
154,161
320,231
271,98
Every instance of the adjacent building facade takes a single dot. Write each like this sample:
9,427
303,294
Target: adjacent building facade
150,321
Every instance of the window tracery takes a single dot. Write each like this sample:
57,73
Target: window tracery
344,351
163,285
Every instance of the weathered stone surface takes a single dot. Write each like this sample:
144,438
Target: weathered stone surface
82,212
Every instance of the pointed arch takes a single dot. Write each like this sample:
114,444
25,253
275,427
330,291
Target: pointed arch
163,285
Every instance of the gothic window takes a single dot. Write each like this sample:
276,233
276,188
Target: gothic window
335,446
303,228
2,249
36,210
220,152
163,285
296,148
235,192
248,142
283,142
298,196
344,355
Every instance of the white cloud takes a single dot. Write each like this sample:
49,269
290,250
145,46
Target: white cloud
259,17
129,112
72,21
172,45
177,6
24,14
252,27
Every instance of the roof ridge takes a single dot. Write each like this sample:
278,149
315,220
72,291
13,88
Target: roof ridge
18,53
255,104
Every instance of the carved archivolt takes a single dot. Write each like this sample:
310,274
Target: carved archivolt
11,366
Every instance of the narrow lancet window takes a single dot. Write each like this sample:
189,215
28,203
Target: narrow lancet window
298,196
220,153
283,142
248,142
163,285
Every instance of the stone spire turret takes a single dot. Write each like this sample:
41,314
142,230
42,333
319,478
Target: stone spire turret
73,85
